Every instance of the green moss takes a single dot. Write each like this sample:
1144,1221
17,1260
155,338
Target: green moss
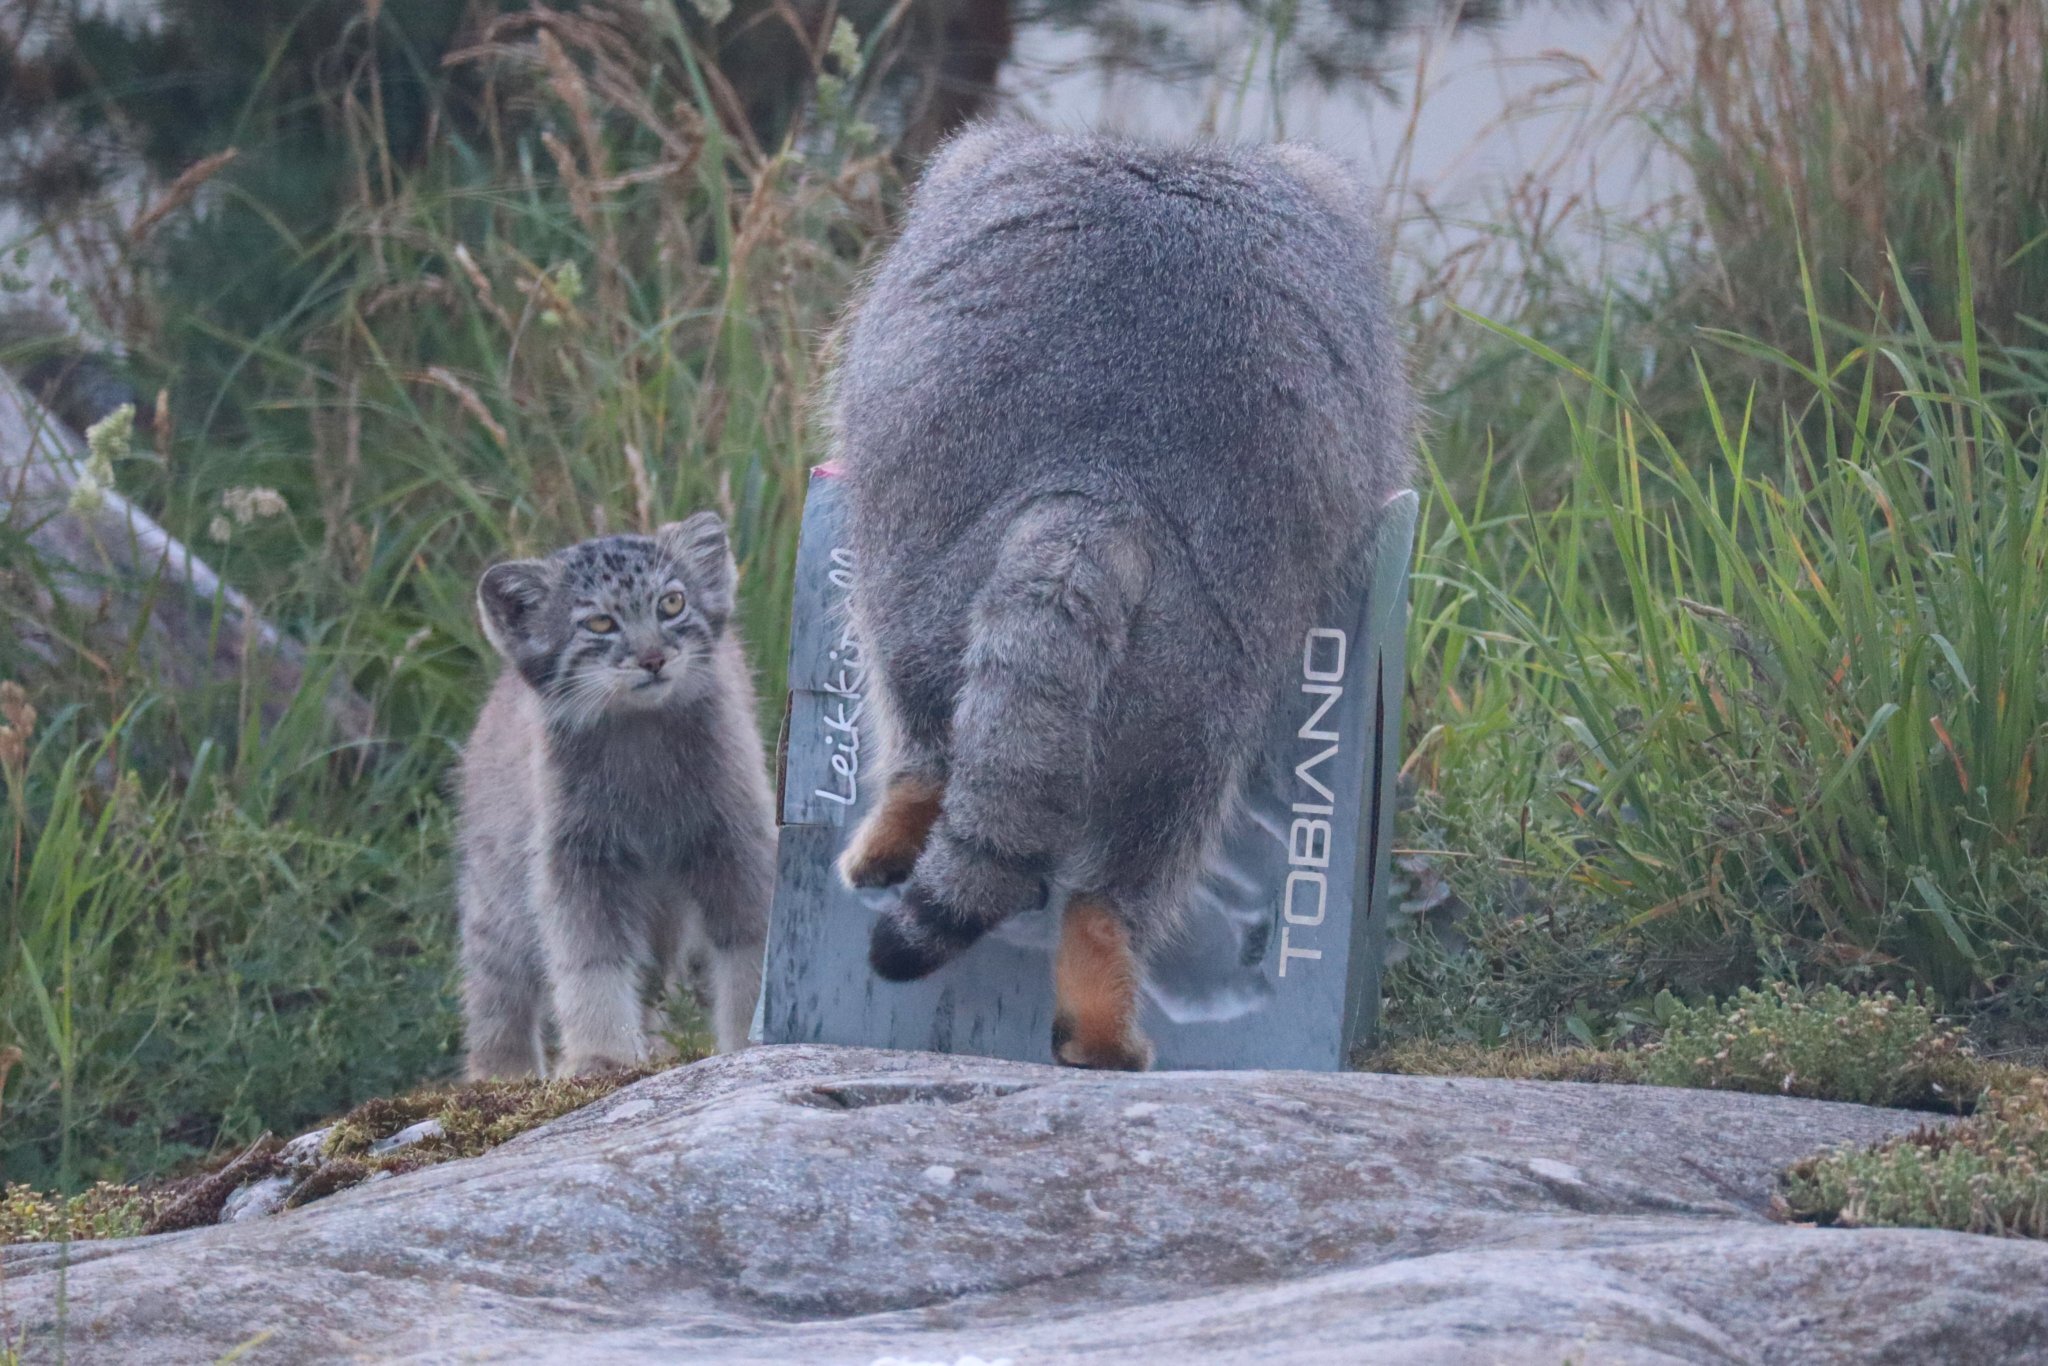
1984,1174
335,1174
1821,1043
1987,1173
474,1116
104,1210
1828,1044
1432,1059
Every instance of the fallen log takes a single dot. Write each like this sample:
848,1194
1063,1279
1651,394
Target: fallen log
118,589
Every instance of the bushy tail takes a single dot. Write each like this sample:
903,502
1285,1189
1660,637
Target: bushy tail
1048,630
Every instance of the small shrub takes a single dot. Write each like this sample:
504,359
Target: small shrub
104,1210
1984,1174
1821,1043
1825,1043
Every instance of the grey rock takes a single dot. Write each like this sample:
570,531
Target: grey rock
302,1154
256,1199
789,1204
406,1137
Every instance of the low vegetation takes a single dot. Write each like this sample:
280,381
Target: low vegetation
466,1120
1984,1174
472,1118
102,1210
1823,1043
1729,612
1873,1050
189,963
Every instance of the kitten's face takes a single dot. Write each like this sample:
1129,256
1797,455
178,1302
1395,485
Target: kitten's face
618,624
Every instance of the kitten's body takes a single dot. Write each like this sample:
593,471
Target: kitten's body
1114,418
611,843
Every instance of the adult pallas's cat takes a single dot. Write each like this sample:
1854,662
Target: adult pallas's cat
617,830
1114,418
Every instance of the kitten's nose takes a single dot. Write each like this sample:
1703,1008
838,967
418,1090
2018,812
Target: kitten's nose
653,660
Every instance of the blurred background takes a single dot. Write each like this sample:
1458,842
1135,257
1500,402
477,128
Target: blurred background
1729,607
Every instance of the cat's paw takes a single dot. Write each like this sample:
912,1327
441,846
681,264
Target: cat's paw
917,937
867,866
590,1064
899,950
1130,1052
886,845
507,1066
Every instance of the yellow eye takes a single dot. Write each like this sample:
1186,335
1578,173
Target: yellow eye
600,625
670,605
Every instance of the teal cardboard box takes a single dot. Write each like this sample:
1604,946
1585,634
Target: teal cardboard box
1280,962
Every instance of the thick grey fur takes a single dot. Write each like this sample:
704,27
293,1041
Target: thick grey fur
617,833
1114,418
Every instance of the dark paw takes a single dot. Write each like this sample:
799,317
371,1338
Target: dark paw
900,952
917,939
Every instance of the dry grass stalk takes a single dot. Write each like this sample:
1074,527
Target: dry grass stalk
1826,117
1453,247
471,404
178,194
486,296
617,46
643,488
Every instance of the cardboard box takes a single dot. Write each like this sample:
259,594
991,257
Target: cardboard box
1280,964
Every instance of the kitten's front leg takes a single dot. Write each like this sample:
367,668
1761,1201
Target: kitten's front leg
730,887
596,957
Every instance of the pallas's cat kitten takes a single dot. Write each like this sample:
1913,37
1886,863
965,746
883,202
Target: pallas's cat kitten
617,831
1114,417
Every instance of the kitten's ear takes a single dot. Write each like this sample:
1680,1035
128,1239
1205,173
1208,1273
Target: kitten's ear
698,544
508,600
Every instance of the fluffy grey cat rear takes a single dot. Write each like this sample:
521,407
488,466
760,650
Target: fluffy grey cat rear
617,829
1114,417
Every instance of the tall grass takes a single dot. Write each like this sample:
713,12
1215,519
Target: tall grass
1730,637
1778,714
604,321
185,969
1812,148
1841,125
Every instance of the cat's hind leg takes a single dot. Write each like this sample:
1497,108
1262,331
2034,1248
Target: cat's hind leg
1096,979
885,847
886,844
1138,875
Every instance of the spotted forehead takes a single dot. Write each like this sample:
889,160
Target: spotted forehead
616,566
